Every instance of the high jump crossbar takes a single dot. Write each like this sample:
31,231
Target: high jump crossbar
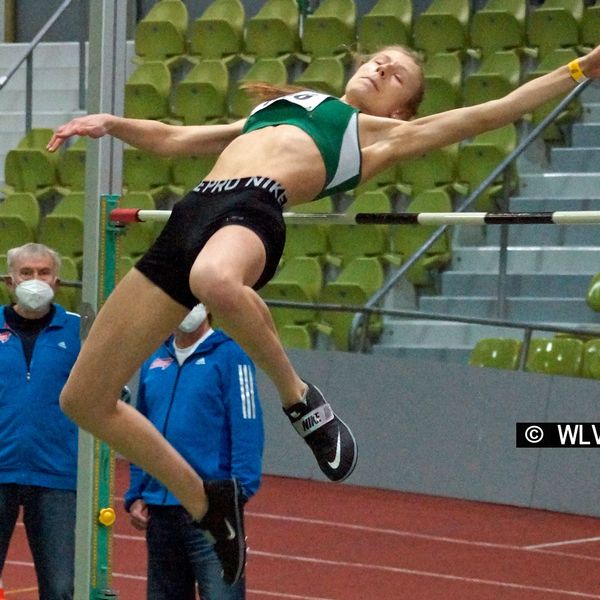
577,217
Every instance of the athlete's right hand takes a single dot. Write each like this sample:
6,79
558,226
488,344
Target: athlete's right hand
93,126
138,515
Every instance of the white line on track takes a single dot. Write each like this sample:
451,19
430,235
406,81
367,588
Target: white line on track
563,543
490,582
282,595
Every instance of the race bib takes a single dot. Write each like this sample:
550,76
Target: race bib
308,100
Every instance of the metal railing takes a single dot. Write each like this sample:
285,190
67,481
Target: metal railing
27,57
361,319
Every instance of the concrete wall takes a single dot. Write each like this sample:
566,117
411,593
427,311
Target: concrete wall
445,430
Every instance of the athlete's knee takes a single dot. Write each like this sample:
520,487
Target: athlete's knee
217,289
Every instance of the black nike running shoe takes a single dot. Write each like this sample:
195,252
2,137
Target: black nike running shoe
223,525
329,438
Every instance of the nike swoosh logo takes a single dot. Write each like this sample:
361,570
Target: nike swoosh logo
335,463
230,530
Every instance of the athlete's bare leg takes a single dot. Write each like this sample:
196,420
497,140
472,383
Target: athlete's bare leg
137,317
226,268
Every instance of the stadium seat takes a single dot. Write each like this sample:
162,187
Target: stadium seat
554,24
219,31
590,27
497,353
71,166
499,25
202,95
273,31
147,91
591,359
498,74
68,296
188,171
437,168
388,22
296,336
30,167
592,296
330,29
14,231
137,238
63,232
161,34
348,242
443,82
324,74
557,356
308,239
146,172
407,239
299,279
23,204
264,70
478,158
354,286
554,131
442,27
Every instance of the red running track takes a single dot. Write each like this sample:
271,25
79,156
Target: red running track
322,541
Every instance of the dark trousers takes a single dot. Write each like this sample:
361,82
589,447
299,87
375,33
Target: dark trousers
179,557
49,519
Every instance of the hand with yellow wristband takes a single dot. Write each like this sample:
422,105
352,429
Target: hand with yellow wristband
585,67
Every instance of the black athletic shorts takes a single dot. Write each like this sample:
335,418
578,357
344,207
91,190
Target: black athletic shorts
253,202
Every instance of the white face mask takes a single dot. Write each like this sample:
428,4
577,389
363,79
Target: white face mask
34,294
194,319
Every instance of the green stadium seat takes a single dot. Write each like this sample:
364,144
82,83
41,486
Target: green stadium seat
330,29
348,242
147,91
437,168
202,95
300,280
67,296
554,131
499,25
308,239
23,204
442,27
63,232
557,356
389,22
497,353
273,31
592,296
354,286
591,359
219,31
296,336
407,239
71,166
499,73
554,24
188,171
161,34
443,81
72,204
264,70
324,74
590,27
146,172
14,231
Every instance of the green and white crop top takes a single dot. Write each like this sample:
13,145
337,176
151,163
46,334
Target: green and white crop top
331,123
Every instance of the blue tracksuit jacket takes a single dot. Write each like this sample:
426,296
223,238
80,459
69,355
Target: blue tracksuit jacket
208,409
38,443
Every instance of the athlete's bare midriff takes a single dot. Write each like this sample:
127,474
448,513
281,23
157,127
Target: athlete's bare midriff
286,154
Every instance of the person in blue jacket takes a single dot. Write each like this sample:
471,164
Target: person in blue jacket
199,390
39,342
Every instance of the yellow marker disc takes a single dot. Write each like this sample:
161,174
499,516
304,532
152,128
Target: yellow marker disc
107,517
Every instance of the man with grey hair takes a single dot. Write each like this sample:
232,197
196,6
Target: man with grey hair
39,342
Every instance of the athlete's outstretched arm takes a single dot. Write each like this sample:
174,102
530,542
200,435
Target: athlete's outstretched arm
413,138
152,136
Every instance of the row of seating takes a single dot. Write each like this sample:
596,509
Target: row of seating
445,25
553,356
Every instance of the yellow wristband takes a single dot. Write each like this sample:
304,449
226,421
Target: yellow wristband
575,71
